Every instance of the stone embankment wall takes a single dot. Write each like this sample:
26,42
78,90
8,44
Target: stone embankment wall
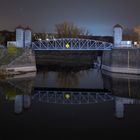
22,64
122,60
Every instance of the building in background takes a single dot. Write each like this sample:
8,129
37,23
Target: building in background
23,37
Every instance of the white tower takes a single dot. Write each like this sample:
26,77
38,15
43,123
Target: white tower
28,37
117,35
20,37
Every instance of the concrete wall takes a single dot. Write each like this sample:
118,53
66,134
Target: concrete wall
122,85
122,60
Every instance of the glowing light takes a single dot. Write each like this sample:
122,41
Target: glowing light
128,42
67,96
135,43
67,45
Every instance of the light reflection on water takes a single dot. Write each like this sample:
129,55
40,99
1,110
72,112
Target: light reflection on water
70,78
57,93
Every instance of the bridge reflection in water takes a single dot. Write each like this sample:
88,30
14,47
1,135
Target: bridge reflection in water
124,87
121,90
60,97
71,97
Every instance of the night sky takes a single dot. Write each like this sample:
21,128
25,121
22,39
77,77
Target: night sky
98,16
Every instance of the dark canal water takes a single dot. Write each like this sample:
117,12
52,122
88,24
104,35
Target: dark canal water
68,102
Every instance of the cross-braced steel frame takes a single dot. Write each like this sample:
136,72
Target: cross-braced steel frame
71,44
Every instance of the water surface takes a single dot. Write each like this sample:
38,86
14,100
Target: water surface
70,102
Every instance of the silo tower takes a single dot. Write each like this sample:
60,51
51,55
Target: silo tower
20,36
117,35
28,37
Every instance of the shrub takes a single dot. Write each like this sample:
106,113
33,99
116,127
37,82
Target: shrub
11,49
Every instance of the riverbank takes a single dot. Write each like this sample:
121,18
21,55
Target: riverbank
19,64
122,60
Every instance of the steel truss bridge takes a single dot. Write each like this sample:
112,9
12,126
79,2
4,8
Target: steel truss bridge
71,97
71,44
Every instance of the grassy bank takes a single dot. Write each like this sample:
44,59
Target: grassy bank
10,55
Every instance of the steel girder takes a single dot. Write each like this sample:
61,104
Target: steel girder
71,44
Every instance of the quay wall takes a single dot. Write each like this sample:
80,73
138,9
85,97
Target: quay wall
23,64
122,60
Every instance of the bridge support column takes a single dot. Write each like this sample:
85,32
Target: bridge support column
122,60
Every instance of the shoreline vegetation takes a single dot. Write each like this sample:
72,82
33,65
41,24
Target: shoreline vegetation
7,55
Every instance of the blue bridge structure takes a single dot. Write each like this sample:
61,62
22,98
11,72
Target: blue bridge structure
71,44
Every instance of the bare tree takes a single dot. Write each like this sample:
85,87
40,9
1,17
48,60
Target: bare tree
2,39
130,34
69,30
38,36
137,31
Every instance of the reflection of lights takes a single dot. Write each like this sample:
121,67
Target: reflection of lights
47,39
39,39
67,96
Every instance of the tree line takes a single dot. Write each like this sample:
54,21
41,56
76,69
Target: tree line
70,30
